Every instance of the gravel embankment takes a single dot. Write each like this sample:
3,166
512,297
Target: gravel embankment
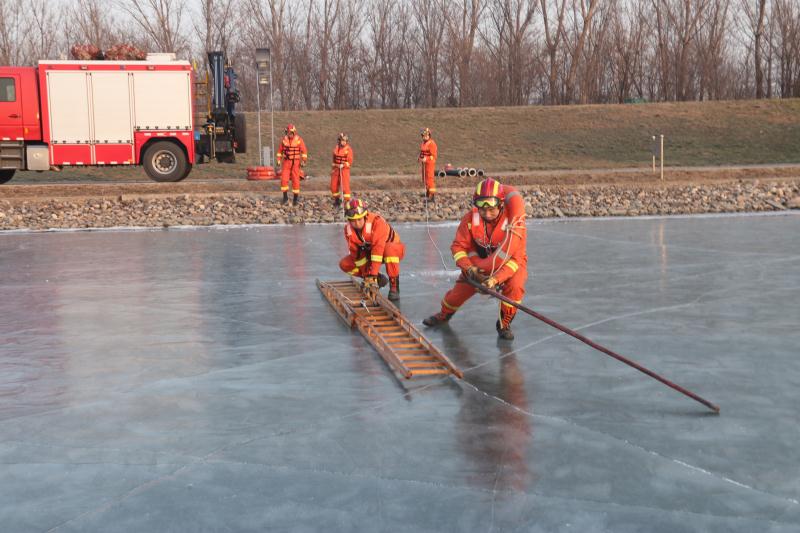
396,206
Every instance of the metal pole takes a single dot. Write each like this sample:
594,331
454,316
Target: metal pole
662,157
593,344
258,112
653,149
271,113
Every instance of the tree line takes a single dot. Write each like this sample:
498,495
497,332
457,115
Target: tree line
356,54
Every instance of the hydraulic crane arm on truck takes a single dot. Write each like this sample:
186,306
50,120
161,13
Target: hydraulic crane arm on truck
223,134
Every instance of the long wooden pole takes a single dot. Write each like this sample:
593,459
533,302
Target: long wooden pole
593,344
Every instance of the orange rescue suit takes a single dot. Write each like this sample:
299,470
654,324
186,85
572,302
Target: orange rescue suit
342,155
428,152
375,244
291,154
497,248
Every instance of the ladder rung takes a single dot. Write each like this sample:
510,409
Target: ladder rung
422,365
417,358
429,372
406,345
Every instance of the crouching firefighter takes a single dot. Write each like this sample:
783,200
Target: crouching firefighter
372,242
489,248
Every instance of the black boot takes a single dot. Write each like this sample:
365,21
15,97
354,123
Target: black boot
296,199
285,198
394,288
437,320
431,198
382,280
337,201
504,333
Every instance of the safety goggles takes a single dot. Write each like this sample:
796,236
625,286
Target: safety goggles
487,203
355,214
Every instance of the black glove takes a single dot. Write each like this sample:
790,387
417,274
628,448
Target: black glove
474,273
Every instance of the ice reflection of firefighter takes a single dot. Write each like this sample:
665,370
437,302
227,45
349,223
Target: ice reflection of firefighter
372,242
291,154
340,175
428,153
495,436
489,247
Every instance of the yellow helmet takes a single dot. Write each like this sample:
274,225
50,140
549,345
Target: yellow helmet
355,209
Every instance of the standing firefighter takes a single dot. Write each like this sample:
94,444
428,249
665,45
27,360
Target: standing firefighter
489,248
428,152
340,175
291,155
372,242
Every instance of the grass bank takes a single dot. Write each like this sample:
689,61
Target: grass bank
519,139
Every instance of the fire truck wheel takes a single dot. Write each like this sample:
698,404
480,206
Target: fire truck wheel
6,174
165,161
240,134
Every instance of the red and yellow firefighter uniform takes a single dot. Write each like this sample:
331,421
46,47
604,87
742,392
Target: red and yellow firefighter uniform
490,251
428,152
291,155
342,162
371,242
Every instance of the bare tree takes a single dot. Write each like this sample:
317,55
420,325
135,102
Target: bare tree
754,17
785,41
41,34
583,12
267,24
509,45
462,22
347,29
217,23
11,32
161,21
90,22
552,43
430,16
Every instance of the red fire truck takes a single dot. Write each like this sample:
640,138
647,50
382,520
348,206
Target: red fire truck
73,113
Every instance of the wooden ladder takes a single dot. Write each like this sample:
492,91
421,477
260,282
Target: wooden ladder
397,340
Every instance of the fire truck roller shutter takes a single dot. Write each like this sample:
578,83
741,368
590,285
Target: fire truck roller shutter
165,161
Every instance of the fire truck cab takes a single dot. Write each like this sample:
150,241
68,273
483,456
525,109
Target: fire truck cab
104,113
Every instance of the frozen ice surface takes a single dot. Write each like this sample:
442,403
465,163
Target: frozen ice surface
195,380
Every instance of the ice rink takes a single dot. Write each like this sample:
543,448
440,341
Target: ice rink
196,380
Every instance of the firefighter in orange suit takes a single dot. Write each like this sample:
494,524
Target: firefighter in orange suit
340,175
489,247
372,242
428,152
291,154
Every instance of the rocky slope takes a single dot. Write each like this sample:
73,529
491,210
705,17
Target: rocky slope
397,206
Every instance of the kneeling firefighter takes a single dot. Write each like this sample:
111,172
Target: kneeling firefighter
489,248
372,242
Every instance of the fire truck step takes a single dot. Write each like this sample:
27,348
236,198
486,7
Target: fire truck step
404,348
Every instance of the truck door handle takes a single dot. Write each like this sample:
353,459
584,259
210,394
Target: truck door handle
14,115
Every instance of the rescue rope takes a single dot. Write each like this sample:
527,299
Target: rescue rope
427,221
518,222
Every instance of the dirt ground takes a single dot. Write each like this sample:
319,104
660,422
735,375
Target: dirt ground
131,183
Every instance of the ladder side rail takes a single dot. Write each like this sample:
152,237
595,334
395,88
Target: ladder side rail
382,348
